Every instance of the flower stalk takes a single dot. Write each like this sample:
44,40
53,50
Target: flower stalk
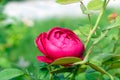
51,74
97,68
88,51
94,29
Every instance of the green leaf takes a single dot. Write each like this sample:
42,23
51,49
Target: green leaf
7,74
114,65
96,40
106,45
114,33
61,70
84,9
65,60
67,1
112,62
97,68
100,58
43,74
81,76
83,32
91,74
95,5
82,68
104,59
85,29
115,71
4,62
117,50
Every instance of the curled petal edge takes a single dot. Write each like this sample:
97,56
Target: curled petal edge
44,59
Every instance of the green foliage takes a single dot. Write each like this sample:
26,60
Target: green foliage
84,9
7,74
95,4
114,24
93,76
66,1
17,40
65,60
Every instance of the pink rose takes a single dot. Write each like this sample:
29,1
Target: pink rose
58,43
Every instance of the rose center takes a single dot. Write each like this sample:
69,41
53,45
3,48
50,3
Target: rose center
62,37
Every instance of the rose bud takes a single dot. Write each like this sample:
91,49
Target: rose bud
112,17
59,43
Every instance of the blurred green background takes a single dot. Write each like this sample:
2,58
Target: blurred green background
17,47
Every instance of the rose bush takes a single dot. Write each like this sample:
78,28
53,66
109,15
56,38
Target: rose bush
58,43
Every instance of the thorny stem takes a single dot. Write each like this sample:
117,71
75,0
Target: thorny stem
90,35
96,24
88,40
95,27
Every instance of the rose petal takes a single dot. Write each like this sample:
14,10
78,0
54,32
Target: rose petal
73,50
61,42
54,51
40,42
55,37
51,32
44,59
70,33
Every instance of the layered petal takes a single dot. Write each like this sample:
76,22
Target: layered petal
54,36
73,50
44,59
53,51
40,43
58,43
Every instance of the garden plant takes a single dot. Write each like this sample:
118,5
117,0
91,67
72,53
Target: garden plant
91,51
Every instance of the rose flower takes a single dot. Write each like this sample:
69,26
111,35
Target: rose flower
59,43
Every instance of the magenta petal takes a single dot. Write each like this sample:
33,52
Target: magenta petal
44,59
54,51
39,43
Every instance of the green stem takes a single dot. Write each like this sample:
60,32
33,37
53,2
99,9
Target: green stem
101,37
111,27
57,70
97,68
27,77
110,76
82,33
96,24
51,75
68,76
89,18
64,69
75,72
94,28
81,62
90,35
107,2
